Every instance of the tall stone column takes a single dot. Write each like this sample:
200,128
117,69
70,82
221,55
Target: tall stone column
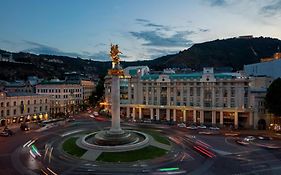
221,118
151,114
184,115
168,114
214,117
194,116
236,120
115,105
140,113
157,114
128,112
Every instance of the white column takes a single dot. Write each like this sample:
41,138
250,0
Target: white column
251,122
128,112
184,115
151,114
213,117
157,114
115,105
221,117
201,116
168,114
236,120
174,115
194,116
140,113
134,113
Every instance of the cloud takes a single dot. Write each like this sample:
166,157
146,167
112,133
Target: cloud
148,23
154,38
217,2
204,30
38,48
272,8
142,20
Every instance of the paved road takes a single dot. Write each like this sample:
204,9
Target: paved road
193,154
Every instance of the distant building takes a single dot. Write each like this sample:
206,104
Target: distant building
6,57
65,96
270,68
199,97
20,86
246,37
23,86
258,89
23,107
88,89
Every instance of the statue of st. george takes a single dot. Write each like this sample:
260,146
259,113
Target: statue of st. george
114,53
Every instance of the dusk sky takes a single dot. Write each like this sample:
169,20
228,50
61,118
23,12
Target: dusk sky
144,29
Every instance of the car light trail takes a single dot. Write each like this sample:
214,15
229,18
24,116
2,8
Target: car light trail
207,153
26,143
203,144
72,132
52,171
34,149
168,169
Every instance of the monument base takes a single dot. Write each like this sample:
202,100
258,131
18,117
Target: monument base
113,138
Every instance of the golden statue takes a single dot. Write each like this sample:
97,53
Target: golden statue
116,68
114,53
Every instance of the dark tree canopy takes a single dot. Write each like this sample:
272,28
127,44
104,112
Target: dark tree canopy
273,97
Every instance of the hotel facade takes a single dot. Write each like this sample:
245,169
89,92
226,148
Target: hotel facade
203,97
65,96
23,107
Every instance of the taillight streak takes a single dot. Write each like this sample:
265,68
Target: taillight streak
204,151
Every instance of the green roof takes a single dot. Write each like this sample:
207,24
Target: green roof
186,76
150,77
57,82
133,72
196,75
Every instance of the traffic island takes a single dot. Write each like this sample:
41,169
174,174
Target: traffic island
69,146
149,152
156,145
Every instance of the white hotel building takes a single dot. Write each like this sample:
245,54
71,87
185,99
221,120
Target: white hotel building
202,97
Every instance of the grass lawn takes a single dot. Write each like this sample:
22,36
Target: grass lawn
158,137
149,152
71,148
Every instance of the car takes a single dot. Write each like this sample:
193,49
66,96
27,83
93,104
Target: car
192,127
4,134
10,132
201,127
96,113
249,138
214,128
92,116
181,125
147,121
24,127
264,138
242,142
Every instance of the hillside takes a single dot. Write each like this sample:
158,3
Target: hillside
233,52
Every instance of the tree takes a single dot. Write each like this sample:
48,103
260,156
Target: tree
98,93
273,98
